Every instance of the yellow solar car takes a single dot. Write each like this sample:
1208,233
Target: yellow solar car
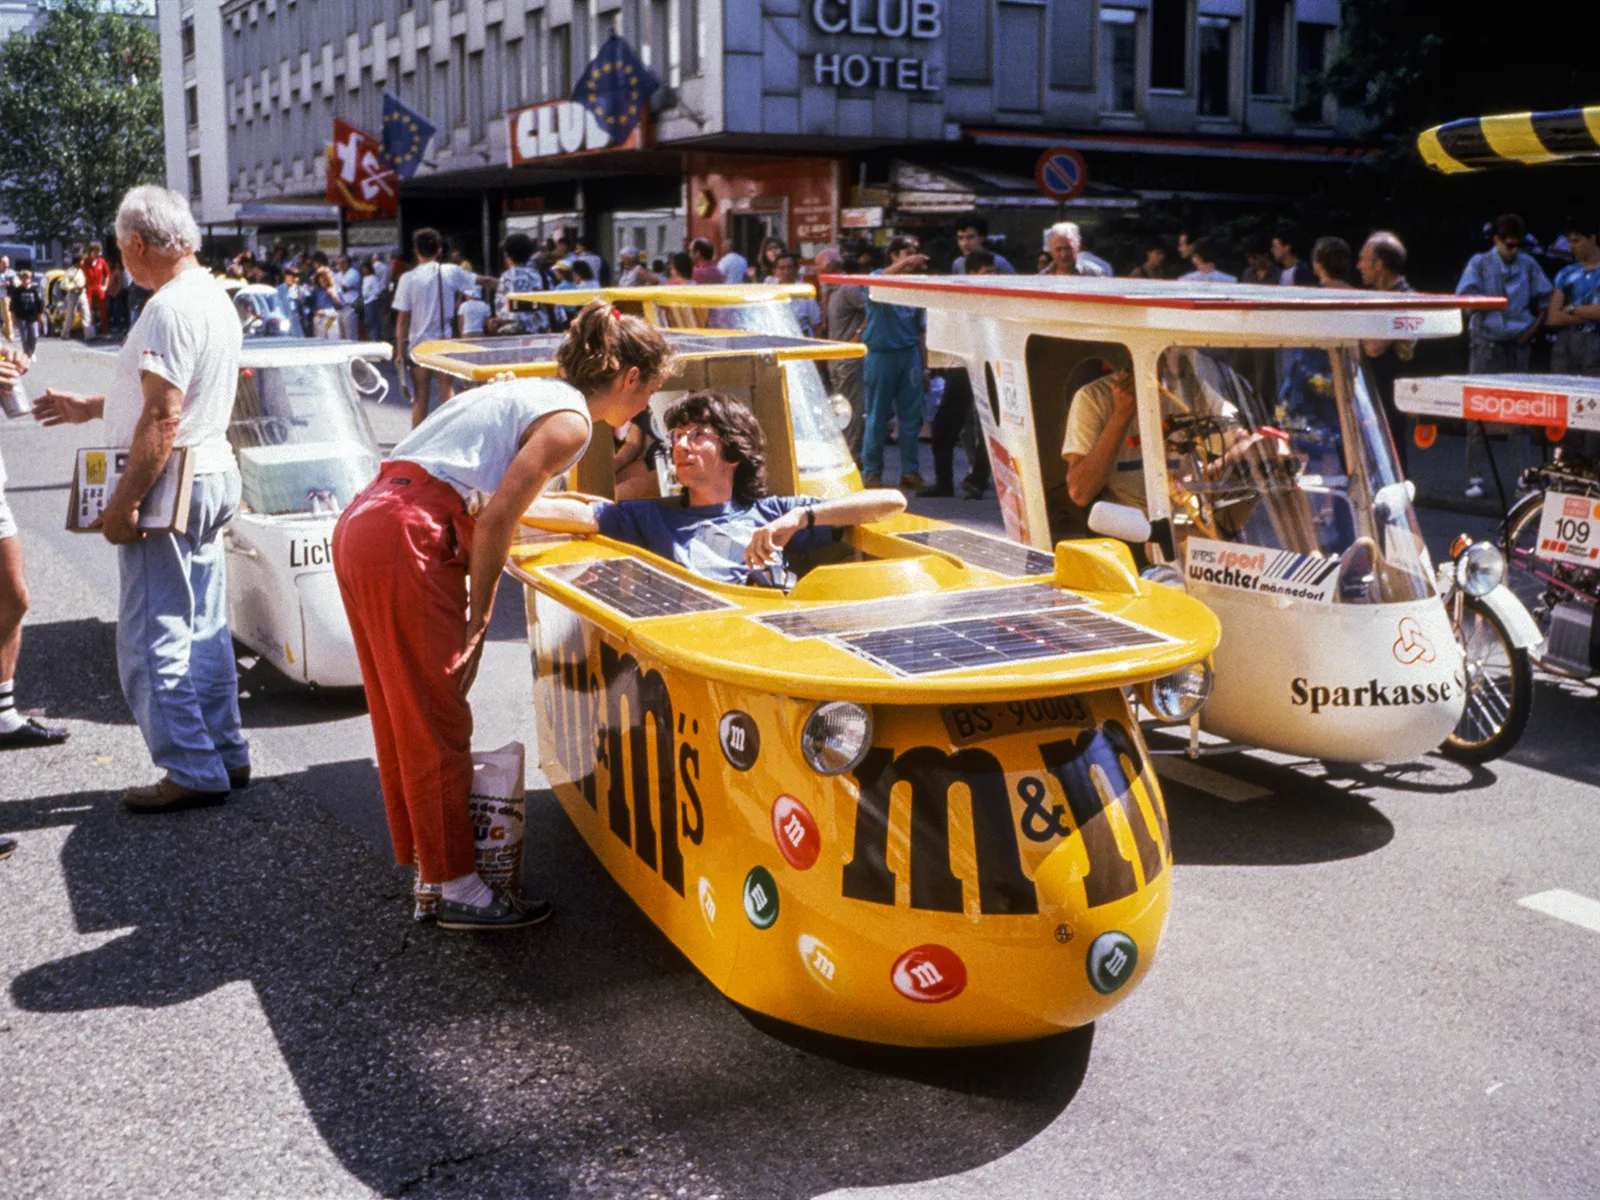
904,802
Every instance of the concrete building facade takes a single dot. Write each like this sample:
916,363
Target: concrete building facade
781,116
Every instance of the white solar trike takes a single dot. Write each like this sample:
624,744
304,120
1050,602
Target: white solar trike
1277,499
305,448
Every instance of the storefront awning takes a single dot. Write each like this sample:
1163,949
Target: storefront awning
924,190
286,214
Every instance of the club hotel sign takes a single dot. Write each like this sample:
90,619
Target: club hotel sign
887,20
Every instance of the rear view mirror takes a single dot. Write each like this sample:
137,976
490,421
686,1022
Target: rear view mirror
1120,521
366,377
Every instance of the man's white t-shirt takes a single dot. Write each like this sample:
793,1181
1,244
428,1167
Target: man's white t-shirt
419,293
473,314
349,285
188,333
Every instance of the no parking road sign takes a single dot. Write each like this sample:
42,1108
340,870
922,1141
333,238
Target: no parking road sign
1061,173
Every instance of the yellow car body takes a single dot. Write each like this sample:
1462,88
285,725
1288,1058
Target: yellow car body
996,867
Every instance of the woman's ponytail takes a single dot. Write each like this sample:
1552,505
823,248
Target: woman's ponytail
602,343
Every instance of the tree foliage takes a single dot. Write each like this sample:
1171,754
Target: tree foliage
1409,66
80,106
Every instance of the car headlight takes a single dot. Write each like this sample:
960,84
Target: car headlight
1481,568
836,737
1165,574
1178,696
842,412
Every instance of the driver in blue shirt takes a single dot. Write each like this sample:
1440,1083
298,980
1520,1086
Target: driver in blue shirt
724,527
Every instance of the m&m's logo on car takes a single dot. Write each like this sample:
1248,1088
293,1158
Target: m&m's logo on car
795,830
1111,960
740,738
760,898
929,974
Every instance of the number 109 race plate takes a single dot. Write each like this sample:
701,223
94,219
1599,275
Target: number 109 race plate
1569,529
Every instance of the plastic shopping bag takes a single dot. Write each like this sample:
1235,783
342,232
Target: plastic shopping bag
498,809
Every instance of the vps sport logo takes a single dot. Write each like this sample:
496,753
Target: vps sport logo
1411,646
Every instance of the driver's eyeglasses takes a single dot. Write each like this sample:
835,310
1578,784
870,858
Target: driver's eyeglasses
692,435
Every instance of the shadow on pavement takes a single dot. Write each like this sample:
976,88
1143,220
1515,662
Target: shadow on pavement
1566,715
1311,825
269,699
584,1057
69,668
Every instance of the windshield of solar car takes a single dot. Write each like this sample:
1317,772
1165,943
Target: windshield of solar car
1286,449
767,316
302,438
819,446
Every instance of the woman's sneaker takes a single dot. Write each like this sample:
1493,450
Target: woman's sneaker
505,912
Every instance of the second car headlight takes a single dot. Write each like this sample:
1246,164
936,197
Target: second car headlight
836,737
1178,696
1481,568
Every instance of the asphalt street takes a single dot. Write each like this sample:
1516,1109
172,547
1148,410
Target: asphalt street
1351,999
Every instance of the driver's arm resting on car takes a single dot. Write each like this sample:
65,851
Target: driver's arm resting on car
873,504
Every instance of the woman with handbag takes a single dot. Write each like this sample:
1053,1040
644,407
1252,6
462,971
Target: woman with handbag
444,510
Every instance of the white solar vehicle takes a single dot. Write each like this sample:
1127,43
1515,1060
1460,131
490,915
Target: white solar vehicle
305,448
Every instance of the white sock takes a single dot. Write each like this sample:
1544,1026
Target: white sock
10,722
468,889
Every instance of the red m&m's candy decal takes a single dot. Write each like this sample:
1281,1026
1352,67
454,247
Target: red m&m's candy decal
929,974
795,830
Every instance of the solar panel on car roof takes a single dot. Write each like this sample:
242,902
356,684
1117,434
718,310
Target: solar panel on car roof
898,612
635,589
990,553
997,641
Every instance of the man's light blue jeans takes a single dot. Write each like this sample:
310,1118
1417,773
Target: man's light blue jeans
174,650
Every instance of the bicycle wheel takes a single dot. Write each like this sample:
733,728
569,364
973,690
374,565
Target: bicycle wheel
1521,540
1499,686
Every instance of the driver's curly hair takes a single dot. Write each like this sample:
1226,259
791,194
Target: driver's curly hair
742,440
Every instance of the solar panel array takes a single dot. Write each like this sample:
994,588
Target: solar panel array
635,589
997,641
960,631
869,616
990,553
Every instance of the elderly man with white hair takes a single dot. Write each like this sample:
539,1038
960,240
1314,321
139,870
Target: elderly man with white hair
1063,241
174,386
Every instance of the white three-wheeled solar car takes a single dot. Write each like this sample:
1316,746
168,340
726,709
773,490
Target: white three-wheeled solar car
305,448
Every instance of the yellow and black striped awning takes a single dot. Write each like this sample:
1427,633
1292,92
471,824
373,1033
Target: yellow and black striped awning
1477,142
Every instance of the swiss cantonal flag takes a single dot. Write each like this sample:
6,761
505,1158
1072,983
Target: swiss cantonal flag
360,180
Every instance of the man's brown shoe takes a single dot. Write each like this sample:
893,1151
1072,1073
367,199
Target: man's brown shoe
872,481
166,796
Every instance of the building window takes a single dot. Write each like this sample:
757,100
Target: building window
1119,60
191,107
1021,28
186,34
1169,45
561,61
654,51
1215,74
1267,49
690,45
194,177
531,59
1310,60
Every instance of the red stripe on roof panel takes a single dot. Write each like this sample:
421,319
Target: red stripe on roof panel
1161,294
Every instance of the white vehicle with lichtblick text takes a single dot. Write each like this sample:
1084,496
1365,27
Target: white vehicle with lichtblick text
1276,496
305,448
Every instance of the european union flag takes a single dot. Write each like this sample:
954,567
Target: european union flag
406,134
616,87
